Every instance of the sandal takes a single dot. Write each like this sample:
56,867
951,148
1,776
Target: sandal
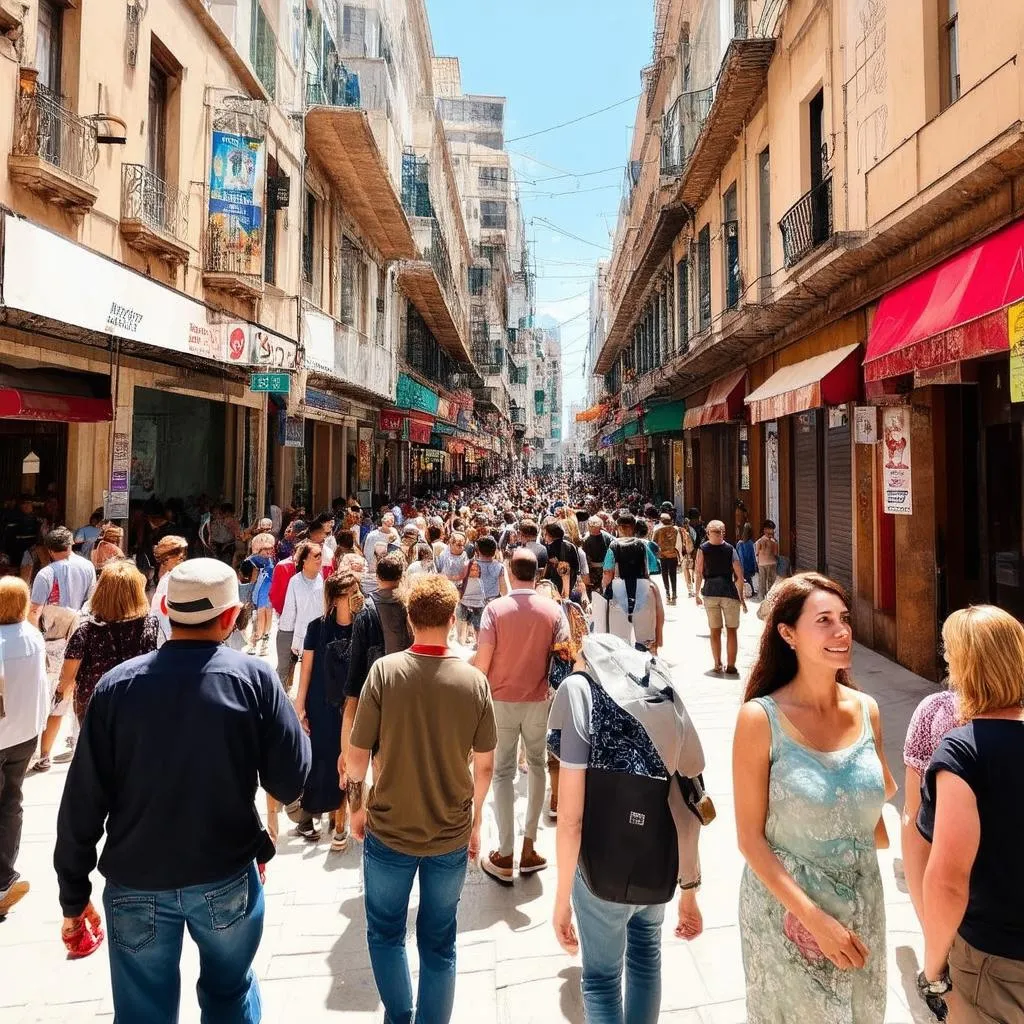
42,765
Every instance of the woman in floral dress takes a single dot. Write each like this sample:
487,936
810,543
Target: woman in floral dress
811,782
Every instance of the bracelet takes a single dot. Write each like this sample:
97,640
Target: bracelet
687,886
934,988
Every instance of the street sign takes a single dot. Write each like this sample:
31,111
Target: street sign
277,382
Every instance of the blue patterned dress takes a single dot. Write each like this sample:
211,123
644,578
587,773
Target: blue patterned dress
822,813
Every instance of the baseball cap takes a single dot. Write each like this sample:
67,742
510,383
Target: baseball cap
199,590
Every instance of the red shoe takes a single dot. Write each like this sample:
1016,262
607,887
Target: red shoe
83,940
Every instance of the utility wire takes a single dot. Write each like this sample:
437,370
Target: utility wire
571,192
569,234
576,120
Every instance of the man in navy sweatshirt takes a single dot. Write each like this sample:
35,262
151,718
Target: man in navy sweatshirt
172,748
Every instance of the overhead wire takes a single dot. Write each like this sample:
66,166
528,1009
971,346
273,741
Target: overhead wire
569,234
575,120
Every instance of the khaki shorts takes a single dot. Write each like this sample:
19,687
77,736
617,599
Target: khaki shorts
987,988
723,609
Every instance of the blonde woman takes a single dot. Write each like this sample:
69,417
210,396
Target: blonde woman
169,552
972,809
119,628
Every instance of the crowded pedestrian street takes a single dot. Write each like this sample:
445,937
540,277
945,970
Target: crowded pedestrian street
313,964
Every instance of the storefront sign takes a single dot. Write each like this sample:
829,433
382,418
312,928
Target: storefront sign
291,430
390,421
104,297
280,191
419,430
771,468
411,394
1015,329
324,402
278,383
865,424
896,471
120,463
431,456
235,224
744,446
444,428
465,417
365,457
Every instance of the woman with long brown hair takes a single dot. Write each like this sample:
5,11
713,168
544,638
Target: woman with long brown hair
811,780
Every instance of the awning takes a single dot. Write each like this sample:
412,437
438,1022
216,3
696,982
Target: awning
16,404
630,429
829,379
592,413
723,404
952,312
662,419
421,427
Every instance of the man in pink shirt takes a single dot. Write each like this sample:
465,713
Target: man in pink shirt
514,652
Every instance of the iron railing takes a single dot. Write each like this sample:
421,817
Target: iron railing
263,52
149,199
441,263
681,127
229,248
47,129
807,223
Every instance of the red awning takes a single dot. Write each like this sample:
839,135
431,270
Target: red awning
723,404
954,311
420,427
829,379
16,404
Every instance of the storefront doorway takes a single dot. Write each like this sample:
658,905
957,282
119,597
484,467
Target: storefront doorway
49,442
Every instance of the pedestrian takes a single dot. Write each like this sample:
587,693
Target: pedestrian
423,562
303,603
87,536
119,627
747,557
325,658
24,704
560,552
172,749
766,551
484,582
109,547
169,552
517,634
377,542
628,557
424,712
719,586
808,818
669,539
972,806
618,866
453,562
258,569
688,536
595,547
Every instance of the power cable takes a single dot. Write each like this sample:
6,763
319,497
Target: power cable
575,120
571,192
569,234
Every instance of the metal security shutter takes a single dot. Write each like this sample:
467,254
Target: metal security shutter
807,491
839,491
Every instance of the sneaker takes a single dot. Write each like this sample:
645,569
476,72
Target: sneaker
498,867
307,830
530,864
42,765
14,893
264,645
339,841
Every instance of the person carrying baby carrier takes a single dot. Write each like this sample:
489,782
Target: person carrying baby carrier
631,806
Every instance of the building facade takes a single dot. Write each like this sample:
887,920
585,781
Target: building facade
798,318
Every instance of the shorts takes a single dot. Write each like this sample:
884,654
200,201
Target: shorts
721,609
463,613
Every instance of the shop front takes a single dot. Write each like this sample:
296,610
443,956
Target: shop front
944,371
663,427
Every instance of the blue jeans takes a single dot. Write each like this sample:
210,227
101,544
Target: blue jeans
225,920
612,934
387,880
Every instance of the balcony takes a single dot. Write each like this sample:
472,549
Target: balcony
429,283
55,151
233,259
339,136
154,215
346,357
681,127
807,223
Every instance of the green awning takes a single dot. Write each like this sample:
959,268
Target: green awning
664,419
617,436
630,429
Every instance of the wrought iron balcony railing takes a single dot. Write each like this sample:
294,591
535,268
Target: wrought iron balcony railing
149,199
48,130
681,127
807,223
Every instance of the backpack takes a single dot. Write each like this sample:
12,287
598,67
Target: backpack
630,554
644,743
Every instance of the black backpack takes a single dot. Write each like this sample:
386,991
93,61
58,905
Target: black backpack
630,554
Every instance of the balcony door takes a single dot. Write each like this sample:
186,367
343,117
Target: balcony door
154,189
49,46
821,221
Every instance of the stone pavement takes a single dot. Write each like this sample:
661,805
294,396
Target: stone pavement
313,962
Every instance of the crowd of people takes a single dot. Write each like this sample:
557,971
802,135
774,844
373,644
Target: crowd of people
424,657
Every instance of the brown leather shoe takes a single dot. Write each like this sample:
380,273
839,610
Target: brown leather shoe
13,894
531,862
498,867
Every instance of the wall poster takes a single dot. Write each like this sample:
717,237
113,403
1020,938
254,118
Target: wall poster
744,459
365,457
237,191
771,474
1015,331
896,461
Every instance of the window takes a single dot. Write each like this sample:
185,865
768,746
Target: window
949,52
493,178
479,278
156,127
764,216
731,248
704,276
49,43
309,238
352,286
493,213
683,298
270,232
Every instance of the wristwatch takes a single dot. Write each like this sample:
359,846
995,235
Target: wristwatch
934,988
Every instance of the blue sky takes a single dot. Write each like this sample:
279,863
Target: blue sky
556,60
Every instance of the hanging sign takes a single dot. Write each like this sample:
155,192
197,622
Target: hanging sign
120,463
277,383
30,464
390,420
896,461
1015,328
235,223
291,430
365,457
865,424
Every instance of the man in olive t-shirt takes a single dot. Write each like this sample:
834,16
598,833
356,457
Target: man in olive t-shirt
422,713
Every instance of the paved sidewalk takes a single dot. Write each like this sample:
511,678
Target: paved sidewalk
313,963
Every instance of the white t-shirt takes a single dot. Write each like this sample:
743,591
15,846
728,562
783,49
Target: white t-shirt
303,603
26,686
75,577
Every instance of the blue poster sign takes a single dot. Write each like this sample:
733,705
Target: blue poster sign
237,188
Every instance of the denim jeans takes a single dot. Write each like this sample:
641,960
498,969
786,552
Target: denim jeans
613,934
387,880
225,920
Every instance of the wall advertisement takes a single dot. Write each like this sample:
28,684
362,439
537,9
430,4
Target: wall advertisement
237,190
896,461
771,471
365,457
1015,332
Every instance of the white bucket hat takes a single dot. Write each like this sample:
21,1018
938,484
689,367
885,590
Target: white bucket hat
199,590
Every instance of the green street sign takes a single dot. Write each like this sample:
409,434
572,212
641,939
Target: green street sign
278,382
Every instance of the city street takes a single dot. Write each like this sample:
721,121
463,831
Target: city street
313,962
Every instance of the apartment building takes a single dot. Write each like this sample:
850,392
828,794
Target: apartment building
815,288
